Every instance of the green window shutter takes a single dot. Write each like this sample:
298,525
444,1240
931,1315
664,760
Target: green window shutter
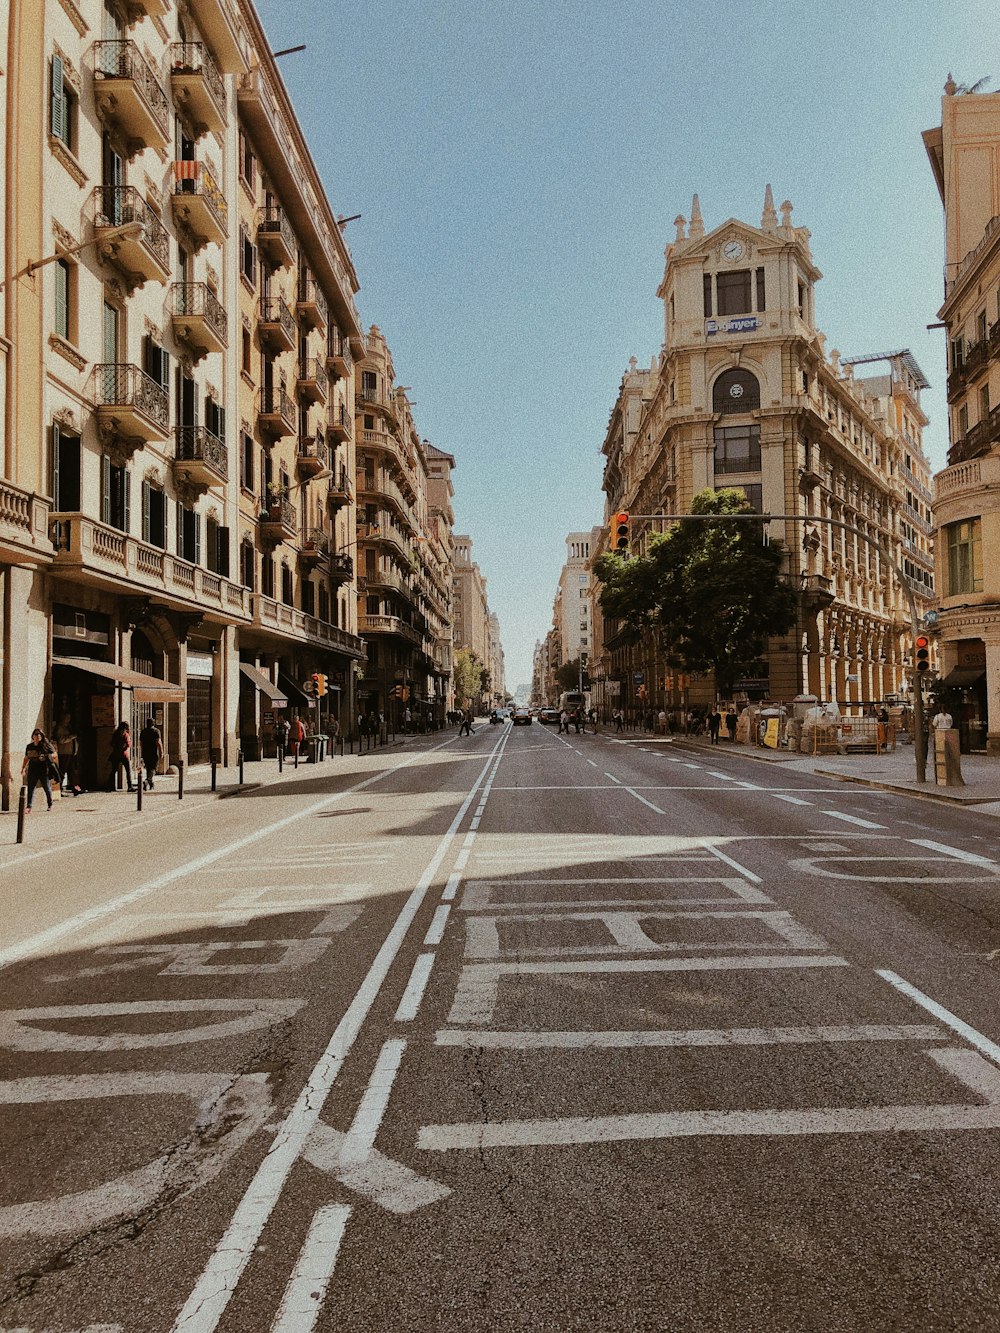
221,423
59,126
105,489
146,507
62,298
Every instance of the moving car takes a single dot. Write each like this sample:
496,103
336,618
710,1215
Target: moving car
550,715
522,717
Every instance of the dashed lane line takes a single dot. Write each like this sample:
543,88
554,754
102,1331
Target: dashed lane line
971,858
852,819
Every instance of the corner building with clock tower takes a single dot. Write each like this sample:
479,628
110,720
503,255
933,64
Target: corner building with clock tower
744,394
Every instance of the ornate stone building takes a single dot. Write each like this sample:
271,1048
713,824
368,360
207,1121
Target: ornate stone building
744,394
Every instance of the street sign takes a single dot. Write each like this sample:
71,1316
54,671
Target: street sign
930,618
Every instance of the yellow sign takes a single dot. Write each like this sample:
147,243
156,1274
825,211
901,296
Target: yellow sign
771,733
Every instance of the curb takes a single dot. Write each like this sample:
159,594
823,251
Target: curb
931,794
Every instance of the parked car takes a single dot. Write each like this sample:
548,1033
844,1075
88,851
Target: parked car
550,715
522,717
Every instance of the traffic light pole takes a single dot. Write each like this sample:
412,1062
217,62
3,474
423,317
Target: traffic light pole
920,733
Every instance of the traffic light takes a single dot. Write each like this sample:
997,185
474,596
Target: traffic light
922,653
319,684
619,536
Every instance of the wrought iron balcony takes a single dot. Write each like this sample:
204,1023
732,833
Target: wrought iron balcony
128,93
312,383
339,361
199,204
311,305
277,324
275,238
198,318
201,459
339,425
142,257
313,456
277,521
131,407
341,567
197,86
314,547
339,491
276,413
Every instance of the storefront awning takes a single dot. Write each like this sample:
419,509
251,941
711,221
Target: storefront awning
265,684
145,689
297,695
962,677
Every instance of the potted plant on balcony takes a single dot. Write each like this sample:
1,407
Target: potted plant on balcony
276,495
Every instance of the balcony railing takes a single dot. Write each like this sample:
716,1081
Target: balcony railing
339,490
276,411
197,85
23,521
130,397
129,92
197,445
277,323
313,455
277,520
198,317
339,424
389,625
273,615
199,203
148,253
341,567
312,304
338,355
313,380
275,237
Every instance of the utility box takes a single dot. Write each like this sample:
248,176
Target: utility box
947,759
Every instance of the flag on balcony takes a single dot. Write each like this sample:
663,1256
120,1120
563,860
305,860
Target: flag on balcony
186,171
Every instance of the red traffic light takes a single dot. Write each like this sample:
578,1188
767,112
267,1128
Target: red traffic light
922,645
621,518
922,641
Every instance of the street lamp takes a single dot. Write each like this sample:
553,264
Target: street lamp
127,229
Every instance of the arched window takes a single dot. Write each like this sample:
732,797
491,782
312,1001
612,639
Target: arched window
735,391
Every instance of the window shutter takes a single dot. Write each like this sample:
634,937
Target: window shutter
196,524
105,489
56,488
221,422
222,552
126,500
62,298
59,126
180,529
146,507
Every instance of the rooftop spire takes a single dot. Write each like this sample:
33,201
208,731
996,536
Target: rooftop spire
679,222
769,218
697,228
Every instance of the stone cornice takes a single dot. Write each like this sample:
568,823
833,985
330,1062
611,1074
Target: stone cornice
75,17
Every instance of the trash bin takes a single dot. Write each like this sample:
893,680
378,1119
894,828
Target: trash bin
316,749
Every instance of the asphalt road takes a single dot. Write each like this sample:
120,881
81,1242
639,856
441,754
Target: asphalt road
518,1031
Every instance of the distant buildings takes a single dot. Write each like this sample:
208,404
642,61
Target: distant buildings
476,628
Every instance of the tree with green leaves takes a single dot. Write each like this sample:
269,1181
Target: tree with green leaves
712,591
568,675
467,673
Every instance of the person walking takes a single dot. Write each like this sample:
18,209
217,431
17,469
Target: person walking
121,755
731,723
281,730
298,734
150,751
68,746
714,724
619,721
466,726
38,767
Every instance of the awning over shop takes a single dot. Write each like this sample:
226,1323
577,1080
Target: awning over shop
297,695
962,677
145,689
267,687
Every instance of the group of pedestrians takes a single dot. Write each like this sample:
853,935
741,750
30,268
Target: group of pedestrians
49,762
579,718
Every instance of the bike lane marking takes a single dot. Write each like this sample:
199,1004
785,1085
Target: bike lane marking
212,1292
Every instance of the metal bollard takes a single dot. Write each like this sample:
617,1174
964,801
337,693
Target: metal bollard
281,758
140,783
22,801
180,779
239,760
215,767
295,751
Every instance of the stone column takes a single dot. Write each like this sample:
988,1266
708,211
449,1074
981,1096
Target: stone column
992,695
226,697
25,622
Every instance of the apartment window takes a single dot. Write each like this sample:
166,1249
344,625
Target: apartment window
65,471
324,604
248,562
984,402
154,516
215,419
267,575
248,258
760,290
737,449
369,384
801,300
963,421
246,352
248,162
246,461
62,106
706,289
63,276
115,495
733,292
216,547
755,495
957,353
308,597
981,325
286,584
156,362
965,556
188,534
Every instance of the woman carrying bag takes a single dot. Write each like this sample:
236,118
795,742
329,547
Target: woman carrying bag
38,767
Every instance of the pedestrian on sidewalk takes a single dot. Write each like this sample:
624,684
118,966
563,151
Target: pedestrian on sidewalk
38,766
298,734
731,723
121,754
150,751
619,720
563,722
68,745
466,726
281,730
714,724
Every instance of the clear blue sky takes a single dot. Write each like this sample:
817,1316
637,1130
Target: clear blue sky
518,167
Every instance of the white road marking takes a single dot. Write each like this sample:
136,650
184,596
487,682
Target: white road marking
479,893
415,987
692,765
613,778
971,1035
851,819
528,1041
655,808
451,888
966,1065
435,931
969,857
792,800
214,1288
16,1033
814,866
303,1299
44,941
387,1183
592,764
748,874
478,986
360,1138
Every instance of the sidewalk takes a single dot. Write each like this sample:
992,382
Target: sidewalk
893,771
93,813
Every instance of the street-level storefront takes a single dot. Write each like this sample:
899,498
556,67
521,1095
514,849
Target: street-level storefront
965,693
200,704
